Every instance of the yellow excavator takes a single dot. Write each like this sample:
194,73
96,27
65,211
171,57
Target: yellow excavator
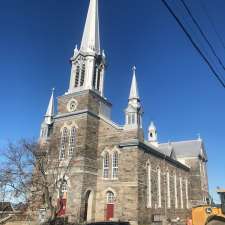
210,215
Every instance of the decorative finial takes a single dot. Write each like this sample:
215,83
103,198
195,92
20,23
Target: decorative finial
53,90
134,69
199,137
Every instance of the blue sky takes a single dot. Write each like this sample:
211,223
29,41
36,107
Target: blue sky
177,89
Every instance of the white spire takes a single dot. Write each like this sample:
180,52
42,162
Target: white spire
152,126
50,111
91,40
134,88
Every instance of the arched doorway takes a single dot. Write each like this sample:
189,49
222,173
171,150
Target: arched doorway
110,199
88,206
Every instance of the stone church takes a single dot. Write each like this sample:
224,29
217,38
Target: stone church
116,174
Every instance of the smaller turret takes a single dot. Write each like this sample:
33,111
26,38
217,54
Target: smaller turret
134,110
46,125
152,135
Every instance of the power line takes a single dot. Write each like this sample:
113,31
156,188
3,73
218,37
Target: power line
212,24
194,44
203,34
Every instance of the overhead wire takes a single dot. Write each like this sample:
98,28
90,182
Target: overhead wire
222,42
202,33
216,75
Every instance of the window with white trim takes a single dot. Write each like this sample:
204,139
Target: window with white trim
159,188
64,186
186,193
64,139
168,189
149,186
106,165
110,198
175,191
72,141
181,194
115,165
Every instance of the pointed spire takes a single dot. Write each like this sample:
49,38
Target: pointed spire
91,38
152,126
134,94
50,111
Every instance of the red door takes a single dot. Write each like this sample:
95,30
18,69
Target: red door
109,211
62,207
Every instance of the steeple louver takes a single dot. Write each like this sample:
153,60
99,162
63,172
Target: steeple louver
91,38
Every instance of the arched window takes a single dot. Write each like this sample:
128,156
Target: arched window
149,186
110,197
77,76
64,139
186,193
94,77
98,78
82,75
159,188
168,189
175,190
64,186
181,194
106,165
115,165
72,141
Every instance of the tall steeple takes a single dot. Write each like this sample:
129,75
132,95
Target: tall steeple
91,40
50,111
88,62
134,110
47,124
134,94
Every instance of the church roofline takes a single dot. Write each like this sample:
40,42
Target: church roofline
148,149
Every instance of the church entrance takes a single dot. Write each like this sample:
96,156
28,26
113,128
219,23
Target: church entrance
88,206
110,206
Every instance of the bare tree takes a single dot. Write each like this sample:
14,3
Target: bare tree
34,174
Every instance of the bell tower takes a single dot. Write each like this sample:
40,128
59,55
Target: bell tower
88,62
152,134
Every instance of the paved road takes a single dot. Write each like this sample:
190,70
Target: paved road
216,223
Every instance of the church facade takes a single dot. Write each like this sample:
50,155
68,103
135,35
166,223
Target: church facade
115,173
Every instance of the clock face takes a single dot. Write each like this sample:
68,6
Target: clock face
72,105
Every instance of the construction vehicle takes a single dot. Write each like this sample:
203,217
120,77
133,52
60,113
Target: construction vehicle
210,215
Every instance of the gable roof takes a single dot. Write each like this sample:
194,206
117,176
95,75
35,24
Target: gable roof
182,149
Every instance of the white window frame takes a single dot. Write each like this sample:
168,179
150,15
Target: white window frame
159,187
168,189
106,166
181,194
149,186
110,197
72,141
115,165
64,137
186,193
175,191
